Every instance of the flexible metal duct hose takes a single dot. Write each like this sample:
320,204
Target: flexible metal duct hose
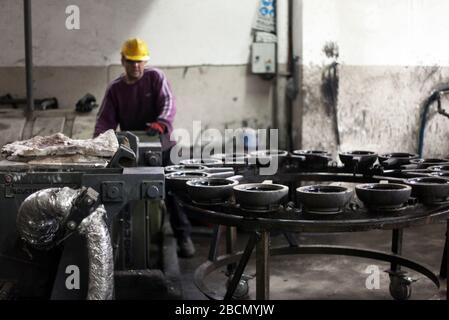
40,223
42,215
99,247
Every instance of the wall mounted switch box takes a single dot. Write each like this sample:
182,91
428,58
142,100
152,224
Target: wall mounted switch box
263,58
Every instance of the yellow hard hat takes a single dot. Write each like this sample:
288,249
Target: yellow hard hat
135,49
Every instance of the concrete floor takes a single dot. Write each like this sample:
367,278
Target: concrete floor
306,277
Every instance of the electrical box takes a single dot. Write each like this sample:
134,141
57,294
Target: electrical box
263,58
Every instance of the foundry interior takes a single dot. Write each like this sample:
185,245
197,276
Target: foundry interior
236,150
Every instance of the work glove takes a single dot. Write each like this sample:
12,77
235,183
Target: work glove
155,128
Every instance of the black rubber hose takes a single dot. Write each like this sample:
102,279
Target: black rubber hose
435,96
422,127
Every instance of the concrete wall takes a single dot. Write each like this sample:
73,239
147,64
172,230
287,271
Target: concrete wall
179,32
389,53
218,96
202,45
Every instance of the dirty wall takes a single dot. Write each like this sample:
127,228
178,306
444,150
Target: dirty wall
390,58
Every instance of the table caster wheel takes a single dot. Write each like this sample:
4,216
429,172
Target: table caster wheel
400,290
400,285
242,290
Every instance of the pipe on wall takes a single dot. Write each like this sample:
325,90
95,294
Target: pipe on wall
434,97
28,57
295,96
275,109
293,83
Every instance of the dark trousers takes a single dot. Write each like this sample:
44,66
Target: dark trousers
178,219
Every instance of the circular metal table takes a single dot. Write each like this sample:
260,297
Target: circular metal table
289,219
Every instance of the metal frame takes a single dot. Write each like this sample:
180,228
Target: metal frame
262,264
116,188
293,220
28,56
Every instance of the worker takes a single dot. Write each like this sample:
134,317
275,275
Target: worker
141,100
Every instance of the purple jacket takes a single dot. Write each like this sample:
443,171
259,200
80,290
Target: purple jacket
132,106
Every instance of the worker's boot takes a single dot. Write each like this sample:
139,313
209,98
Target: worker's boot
186,247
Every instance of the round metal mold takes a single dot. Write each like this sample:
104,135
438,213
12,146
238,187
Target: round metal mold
358,158
311,153
185,167
322,199
439,168
176,181
442,174
383,196
210,190
396,159
265,157
269,153
398,155
232,158
430,190
314,158
415,174
426,163
202,161
260,196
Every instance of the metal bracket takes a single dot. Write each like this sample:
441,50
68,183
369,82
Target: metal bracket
153,159
123,158
152,190
83,206
112,191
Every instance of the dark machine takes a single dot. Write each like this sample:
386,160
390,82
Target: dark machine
86,104
130,190
8,101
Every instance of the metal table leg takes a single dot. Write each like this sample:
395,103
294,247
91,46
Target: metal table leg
254,238
262,267
400,284
446,259
231,239
396,247
291,239
213,251
443,269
